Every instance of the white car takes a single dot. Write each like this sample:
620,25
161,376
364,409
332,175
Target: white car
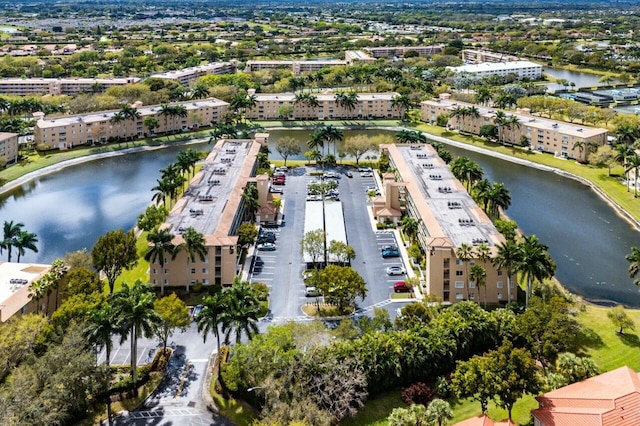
395,270
312,292
366,174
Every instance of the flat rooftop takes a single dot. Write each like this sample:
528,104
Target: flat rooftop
446,209
106,115
14,285
323,97
495,66
212,199
193,70
25,81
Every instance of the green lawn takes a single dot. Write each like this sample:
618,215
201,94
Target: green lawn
376,410
600,340
140,271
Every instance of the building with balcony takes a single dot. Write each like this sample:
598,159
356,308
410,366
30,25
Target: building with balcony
521,69
15,300
60,86
562,139
297,67
68,131
370,106
425,189
8,148
186,76
472,56
399,51
357,56
213,205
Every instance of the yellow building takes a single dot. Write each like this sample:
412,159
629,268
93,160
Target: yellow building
297,67
399,51
186,76
8,148
370,106
426,190
562,139
213,205
471,56
60,86
69,131
15,279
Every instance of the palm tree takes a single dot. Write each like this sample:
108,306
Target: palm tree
634,263
250,197
512,123
439,412
536,262
166,111
465,254
199,91
136,316
402,103
277,204
163,190
25,240
331,134
580,145
316,140
500,120
633,163
11,232
481,192
499,198
242,313
193,246
466,170
410,227
483,95
350,102
478,275
509,258
161,244
38,289
100,327
212,314
179,111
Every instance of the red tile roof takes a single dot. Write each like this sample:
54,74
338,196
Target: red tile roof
483,420
610,399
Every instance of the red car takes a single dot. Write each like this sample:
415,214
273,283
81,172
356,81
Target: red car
401,287
279,180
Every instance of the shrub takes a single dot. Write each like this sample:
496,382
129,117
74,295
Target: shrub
380,225
197,288
442,387
418,393
261,290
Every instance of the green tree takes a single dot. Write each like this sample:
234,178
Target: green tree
575,368
314,245
151,123
243,308
343,252
211,316
247,233
621,319
478,274
507,228
508,258
136,316
340,285
467,171
357,146
160,244
634,264
193,246
19,337
25,240
439,412
537,263
152,217
475,379
410,227
286,147
11,231
114,252
465,253
174,314
415,415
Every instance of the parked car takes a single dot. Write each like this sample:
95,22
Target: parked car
196,311
389,247
365,169
275,190
312,292
366,174
390,253
314,197
401,287
330,175
267,247
267,238
349,174
279,180
373,188
282,169
395,270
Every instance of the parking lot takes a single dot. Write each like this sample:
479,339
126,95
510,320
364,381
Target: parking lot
283,268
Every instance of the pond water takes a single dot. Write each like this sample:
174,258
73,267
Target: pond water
70,209
580,79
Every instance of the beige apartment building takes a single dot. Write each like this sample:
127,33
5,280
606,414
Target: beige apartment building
15,279
60,86
370,106
399,51
8,148
472,56
562,139
521,69
355,56
213,205
69,131
424,188
297,67
186,76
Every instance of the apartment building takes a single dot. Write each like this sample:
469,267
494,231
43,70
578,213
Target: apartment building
472,56
15,279
186,76
69,131
370,106
297,67
213,205
357,56
521,69
425,189
60,86
8,148
562,139
399,51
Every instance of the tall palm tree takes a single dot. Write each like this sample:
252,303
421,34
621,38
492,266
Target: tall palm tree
193,246
25,240
161,244
100,327
410,227
332,135
499,198
350,102
500,121
242,313
478,275
513,122
166,111
179,111
536,262
136,316
250,197
402,103
465,253
316,140
467,171
633,163
10,233
481,192
483,95
634,264
163,190
439,412
199,91
38,289
509,258
212,314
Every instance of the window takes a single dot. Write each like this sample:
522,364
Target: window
500,272
155,282
205,270
166,271
205,281
459,284
459,262
193,270
472,296
155,271
459,296
459,273
512,285
499,296
206,260
499,284
166,281
472,284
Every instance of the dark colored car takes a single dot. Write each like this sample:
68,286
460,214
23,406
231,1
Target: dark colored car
268,237
390,253
400,287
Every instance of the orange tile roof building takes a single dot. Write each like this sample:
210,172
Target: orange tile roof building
214,206
425,189
484,420
610,399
